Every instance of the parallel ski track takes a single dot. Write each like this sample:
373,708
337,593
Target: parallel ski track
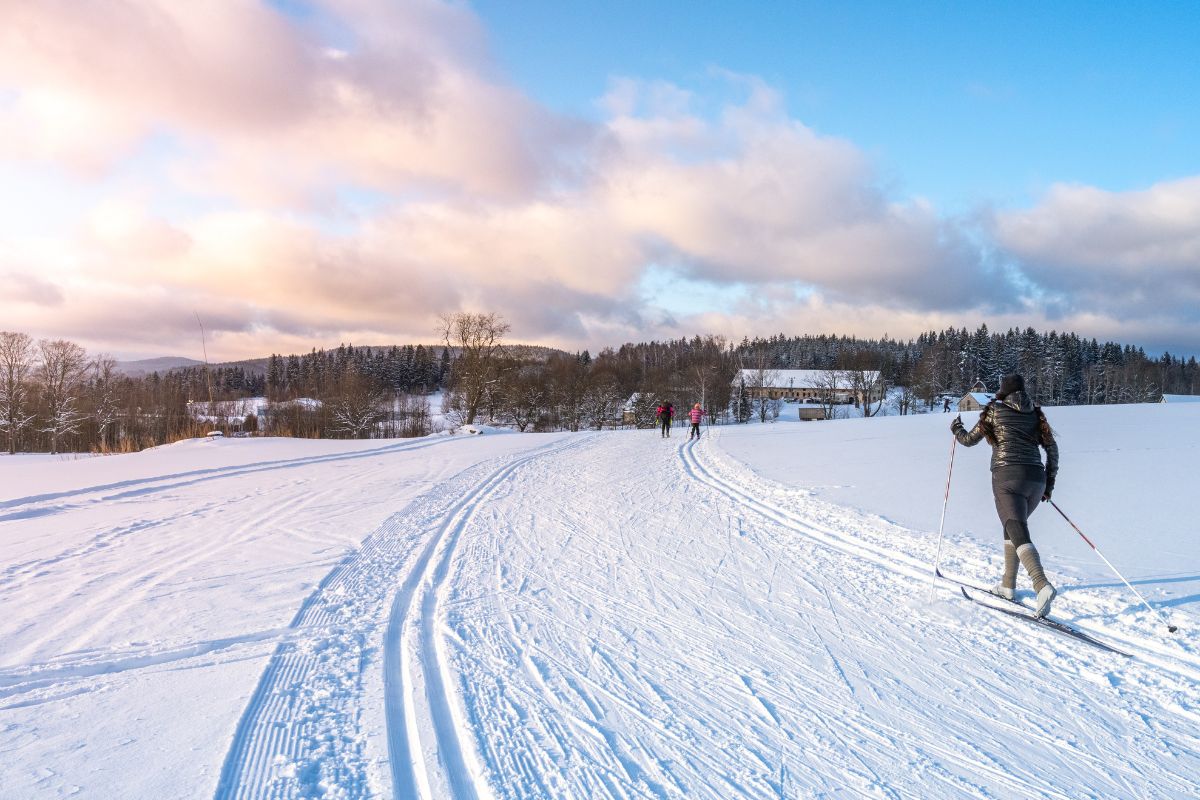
418,678
892,561
294,738
1165,655
26,507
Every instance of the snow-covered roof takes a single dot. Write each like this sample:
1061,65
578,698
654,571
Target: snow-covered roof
1181,398
798,378
983,398
227,410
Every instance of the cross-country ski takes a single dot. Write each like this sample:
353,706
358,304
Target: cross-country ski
1020,611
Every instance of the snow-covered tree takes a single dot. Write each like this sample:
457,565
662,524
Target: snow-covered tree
357,407
602,402
62,370
16,365
105,405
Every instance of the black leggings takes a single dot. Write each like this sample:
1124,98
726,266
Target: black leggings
1017,490
666,426
695,430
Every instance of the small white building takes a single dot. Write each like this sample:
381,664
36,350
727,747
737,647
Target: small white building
629,410
976,397
974,401
809,384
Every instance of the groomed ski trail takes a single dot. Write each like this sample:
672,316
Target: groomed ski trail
891,547
301,733
645,633
425,728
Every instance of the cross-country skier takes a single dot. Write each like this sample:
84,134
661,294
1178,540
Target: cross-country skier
666,413
695,415
1015,428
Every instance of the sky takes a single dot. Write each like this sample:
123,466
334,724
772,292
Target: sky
302,174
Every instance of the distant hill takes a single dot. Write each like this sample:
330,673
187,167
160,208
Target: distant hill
136,369
258,366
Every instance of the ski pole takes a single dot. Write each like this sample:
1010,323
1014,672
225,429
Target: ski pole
942,525
1161,616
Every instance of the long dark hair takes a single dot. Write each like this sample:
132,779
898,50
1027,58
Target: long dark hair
1044,429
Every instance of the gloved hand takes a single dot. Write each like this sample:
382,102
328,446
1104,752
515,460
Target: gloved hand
1048,490
957,426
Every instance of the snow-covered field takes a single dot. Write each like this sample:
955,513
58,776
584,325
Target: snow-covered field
607,615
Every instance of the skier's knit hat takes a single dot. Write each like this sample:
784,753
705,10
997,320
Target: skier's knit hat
1009,384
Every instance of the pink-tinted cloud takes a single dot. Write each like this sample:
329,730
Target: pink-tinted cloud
235,145
406,99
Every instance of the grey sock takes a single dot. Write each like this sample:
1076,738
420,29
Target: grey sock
1009,581
1033,565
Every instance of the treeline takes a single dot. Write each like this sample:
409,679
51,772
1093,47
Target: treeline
404,370
54,397
574,392
1059,368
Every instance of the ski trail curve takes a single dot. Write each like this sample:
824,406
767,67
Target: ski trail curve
300,734
1163,655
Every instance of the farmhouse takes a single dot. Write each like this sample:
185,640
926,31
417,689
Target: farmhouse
975,399
843,386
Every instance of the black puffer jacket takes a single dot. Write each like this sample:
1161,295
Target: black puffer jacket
1015,428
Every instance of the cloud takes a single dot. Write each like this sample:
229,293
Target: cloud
407,98
758,197
349,174
21,287
1130,255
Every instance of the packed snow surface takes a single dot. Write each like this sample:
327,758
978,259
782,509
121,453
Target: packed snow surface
596,615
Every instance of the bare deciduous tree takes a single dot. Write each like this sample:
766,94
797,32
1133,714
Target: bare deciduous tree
525,395
868,389
62,369
16,364
478,340
105,406
830,386
357,408
602,402
906,399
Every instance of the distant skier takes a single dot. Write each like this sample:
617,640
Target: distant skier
1015,428
666,413
695,415
946,405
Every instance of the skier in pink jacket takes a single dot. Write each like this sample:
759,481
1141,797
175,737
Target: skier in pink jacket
695,415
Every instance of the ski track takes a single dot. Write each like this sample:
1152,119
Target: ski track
614,616
597,659
300,735
41,505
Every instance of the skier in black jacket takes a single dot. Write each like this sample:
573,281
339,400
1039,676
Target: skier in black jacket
1016,428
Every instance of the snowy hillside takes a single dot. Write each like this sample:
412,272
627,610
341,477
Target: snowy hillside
607,615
